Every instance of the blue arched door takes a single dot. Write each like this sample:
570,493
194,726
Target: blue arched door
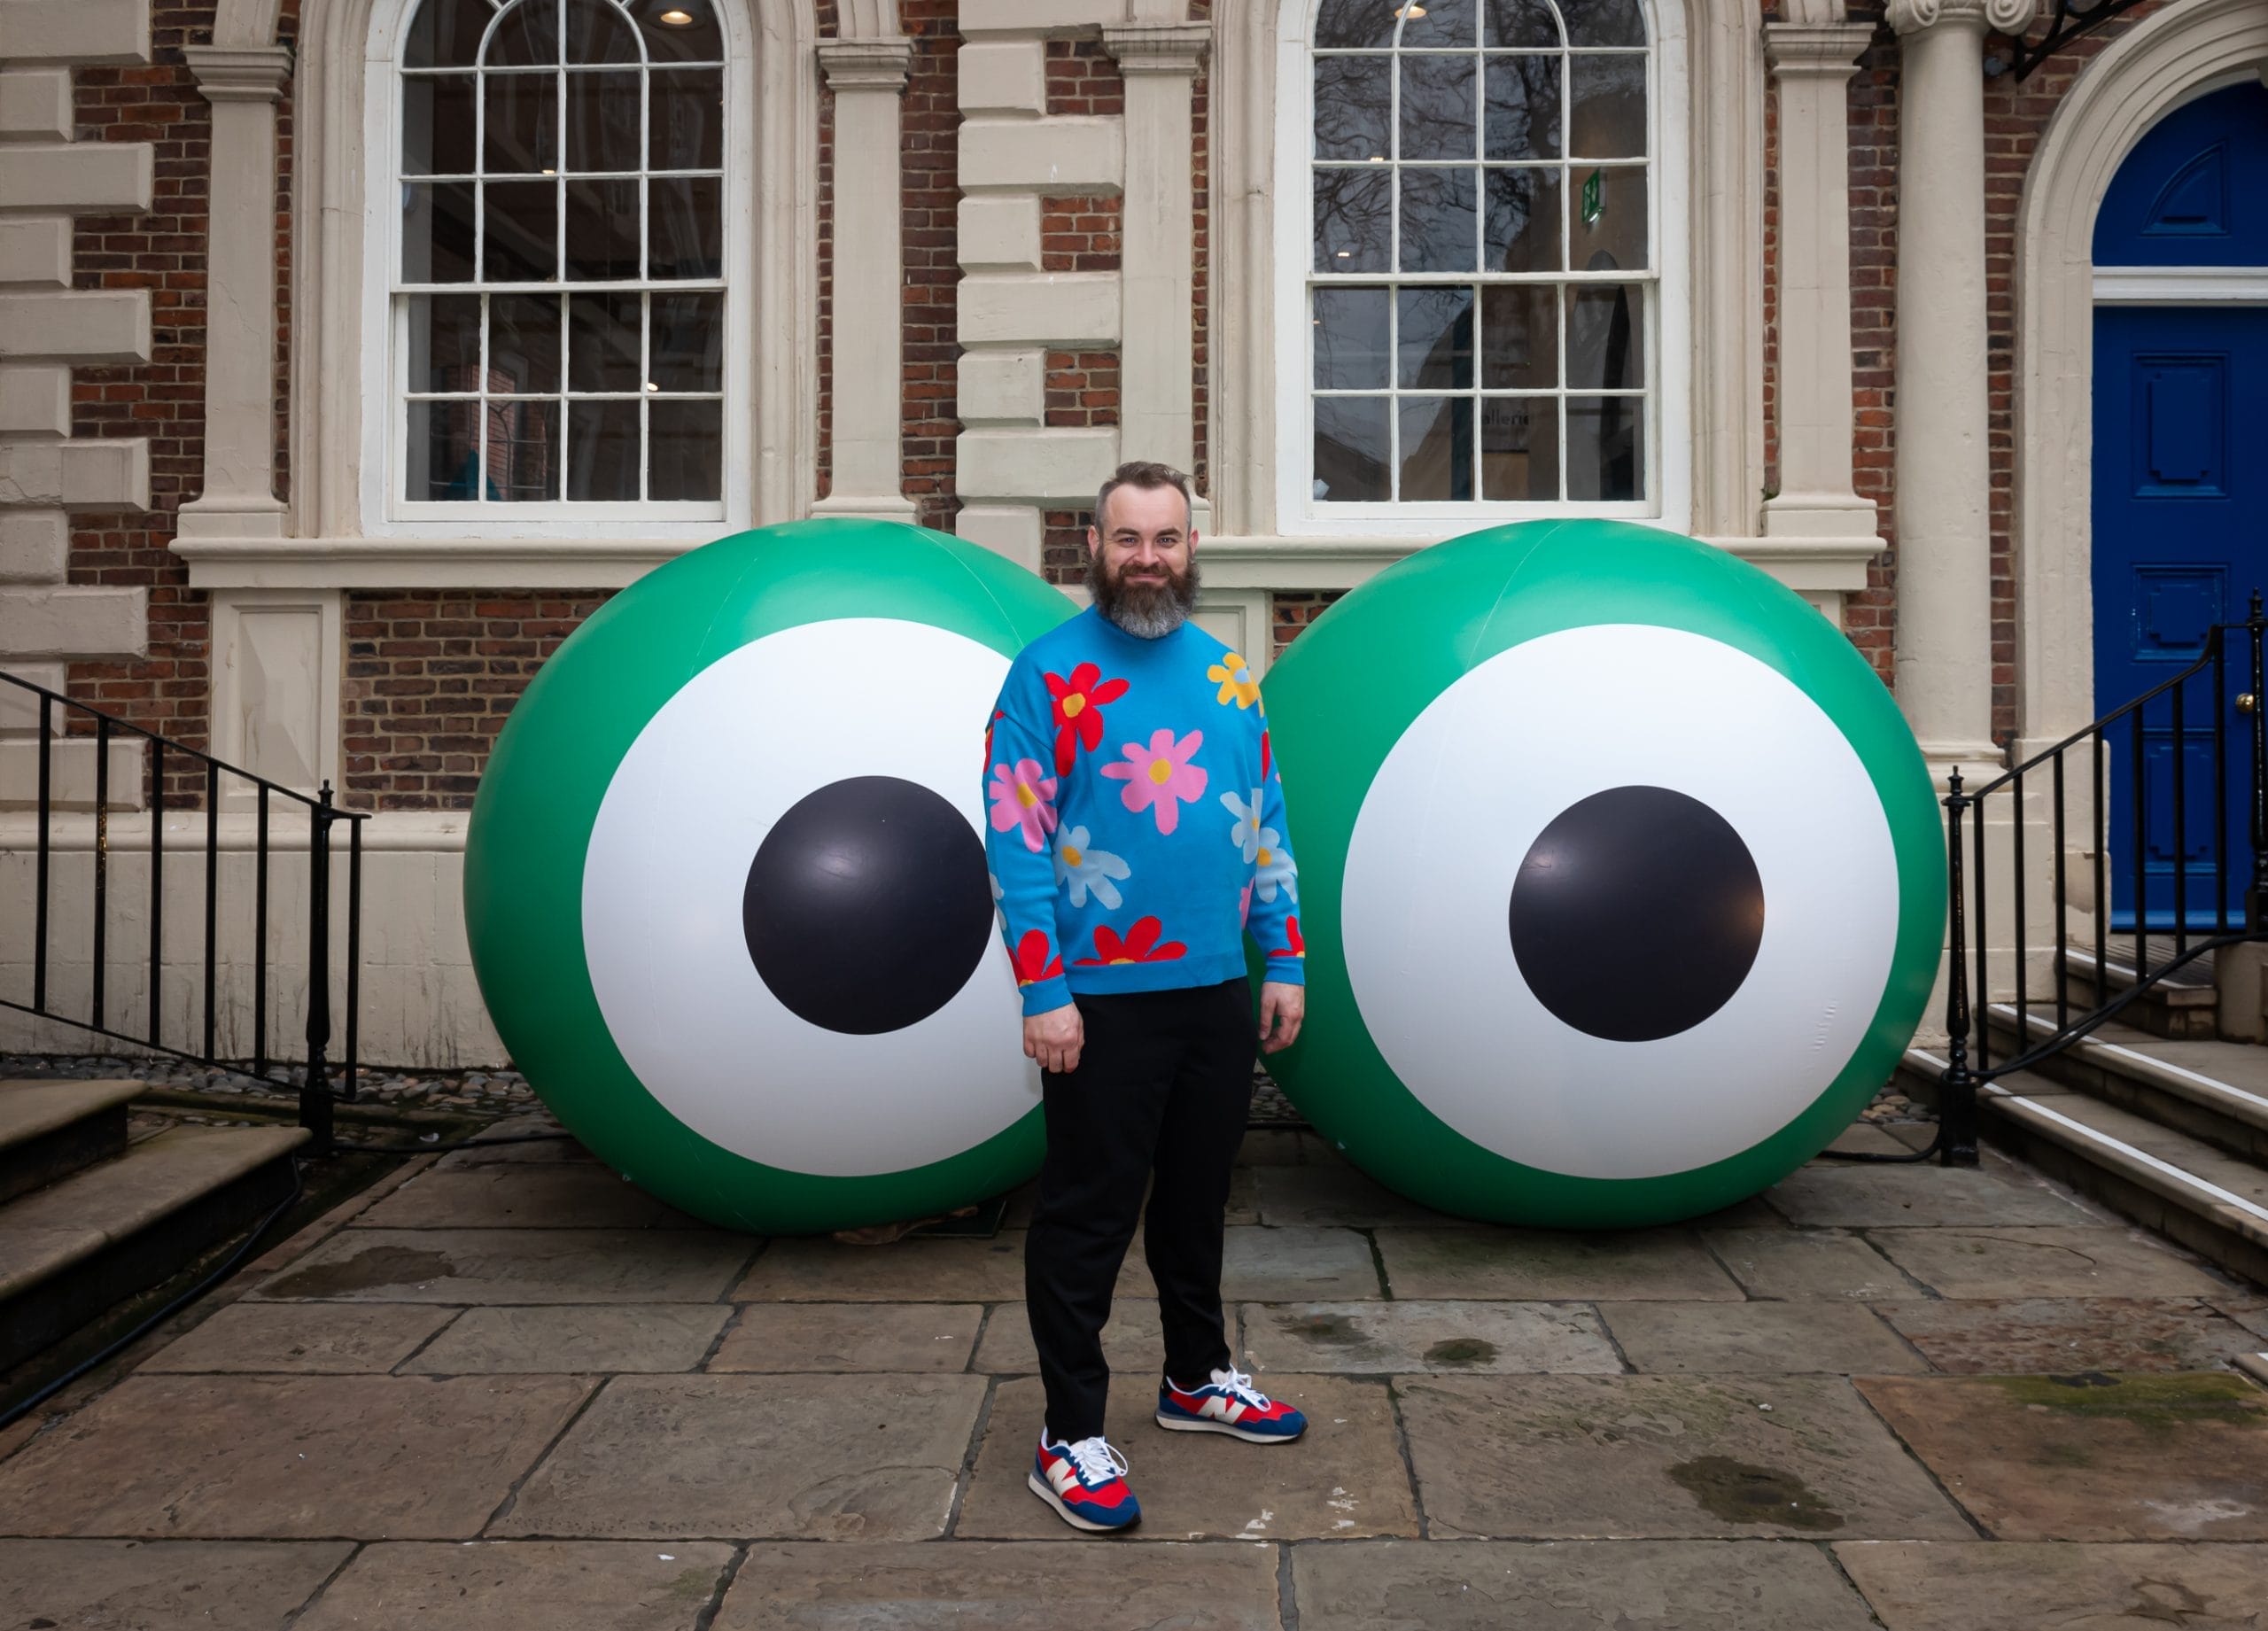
2181,536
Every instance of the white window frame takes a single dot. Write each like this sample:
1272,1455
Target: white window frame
383,366
1668,422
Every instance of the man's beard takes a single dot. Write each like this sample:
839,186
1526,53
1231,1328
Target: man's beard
1145,610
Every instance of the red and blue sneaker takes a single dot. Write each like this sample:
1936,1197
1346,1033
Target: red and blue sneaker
1085,1483
1229,1404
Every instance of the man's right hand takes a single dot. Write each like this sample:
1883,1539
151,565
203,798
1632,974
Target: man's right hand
1056,1037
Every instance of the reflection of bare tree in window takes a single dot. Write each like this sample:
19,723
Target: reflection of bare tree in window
1602,22
1354,101
1523,107
1354,219
1354,24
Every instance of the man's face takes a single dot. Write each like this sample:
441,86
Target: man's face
1142,559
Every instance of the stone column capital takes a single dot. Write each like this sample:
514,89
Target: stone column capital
1816,50
240,73
1159,48
865,65
1996,16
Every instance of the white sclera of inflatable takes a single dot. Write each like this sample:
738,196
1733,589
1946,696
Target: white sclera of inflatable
744,741
1451,815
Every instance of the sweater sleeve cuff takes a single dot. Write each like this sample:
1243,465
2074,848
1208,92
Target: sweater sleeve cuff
1286,971
1046,996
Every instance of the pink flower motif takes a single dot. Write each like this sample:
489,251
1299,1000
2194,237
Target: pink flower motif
1024,798
1244,904
1159,777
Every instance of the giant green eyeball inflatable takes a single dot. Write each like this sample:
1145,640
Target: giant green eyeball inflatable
1623,883
725,882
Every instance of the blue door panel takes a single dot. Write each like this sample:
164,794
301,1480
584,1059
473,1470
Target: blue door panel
2183,445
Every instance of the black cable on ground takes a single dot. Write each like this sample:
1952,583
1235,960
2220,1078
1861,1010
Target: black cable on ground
17,1412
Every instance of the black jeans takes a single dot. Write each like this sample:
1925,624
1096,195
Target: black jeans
1163,1088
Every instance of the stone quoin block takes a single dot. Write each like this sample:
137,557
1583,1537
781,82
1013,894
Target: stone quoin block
111,326
34,104
1036,464
84,177
1060,309
998,233
35,249
111,474
1059,155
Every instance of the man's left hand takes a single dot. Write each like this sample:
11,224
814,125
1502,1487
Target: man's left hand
1282,1009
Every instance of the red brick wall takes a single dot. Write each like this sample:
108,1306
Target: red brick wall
287,34
1293,614
931,183
1201,270
1866,615
824,318
1082,388
1080,234
1082,78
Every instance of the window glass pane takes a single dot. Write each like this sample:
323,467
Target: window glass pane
522,135
688,120
601,231
1353,99
523,343
1437,220
446,34
598,33
688,450
1609,224
1604,22
444,341
602,450
1350,449
441,453
1520,330
523,446
688,342
1519,448
680,31
1435,338
686,227
437,125
602,342
528,32
522,226
1432,24
1606,337
1606,117
1354,219
1436,448
1437,118
1523,225
437,232
1354,24
1350,339
1605,448
603,122
1518,23
1523,114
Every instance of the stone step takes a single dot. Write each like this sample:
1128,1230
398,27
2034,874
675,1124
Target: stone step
74,1249
2203,1198
2213,1091
50,1129
2182,1006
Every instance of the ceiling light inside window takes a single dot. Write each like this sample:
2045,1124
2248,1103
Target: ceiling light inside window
650,386
1410,12
1345,254
678,20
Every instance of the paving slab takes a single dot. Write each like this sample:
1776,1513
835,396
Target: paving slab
1346,1477
375,1457
1385,1339
1705,1339
503,1266
796,1457
1828,1195
1272,1147
1573,1586
1930,1586
548,1149
913,1270
2035,1335
590,1337
1581,1457
553,1195
2091,1456
1535,1265
161,1585
1808,1265
304,1338
2246,1312
526,1586
1133,1342
1338,1196
1003,1586
851,1336
2000,1263
1291,1265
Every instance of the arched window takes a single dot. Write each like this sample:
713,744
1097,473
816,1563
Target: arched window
559,263
1481,292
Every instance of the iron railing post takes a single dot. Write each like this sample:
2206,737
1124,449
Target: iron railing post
1956,1088
314,1088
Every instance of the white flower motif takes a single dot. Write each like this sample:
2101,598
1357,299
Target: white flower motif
1246,834
1277,869
1087,871
993,878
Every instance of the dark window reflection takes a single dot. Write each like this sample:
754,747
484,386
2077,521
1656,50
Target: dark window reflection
1608,220
1518,25
687,445
686,230
1605,448
1604,22
603,122
602,230
687,113
521,448
1351,450
1437,112
1606,342
1429,26
1436,448
444,342
523,343
446,34
598,33
1523,113
1353,97
1354,24
602,450
525,33
1519,329
1437,220
437,125
1354,219
602,342
1350,339
1434,338
437,230
688,342
1523,225
1607,107
521,223
1519,449
522,129
697,40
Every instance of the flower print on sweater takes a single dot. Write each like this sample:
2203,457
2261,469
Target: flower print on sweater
1024,799
1139,946
1298,946
1159,777
1088,871
1245,835
1036,958
1234,675
1276,869
1078,704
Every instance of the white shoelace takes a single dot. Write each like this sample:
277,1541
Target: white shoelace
1237,1383
1097,1461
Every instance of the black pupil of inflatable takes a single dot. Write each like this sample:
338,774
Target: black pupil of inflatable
866,907
1636,913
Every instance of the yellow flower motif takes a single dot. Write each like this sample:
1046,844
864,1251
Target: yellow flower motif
1235,680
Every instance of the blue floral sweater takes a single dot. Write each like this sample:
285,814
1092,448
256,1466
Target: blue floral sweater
1138,825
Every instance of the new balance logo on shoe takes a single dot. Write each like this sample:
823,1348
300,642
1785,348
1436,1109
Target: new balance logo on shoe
1228,1403
1085,1483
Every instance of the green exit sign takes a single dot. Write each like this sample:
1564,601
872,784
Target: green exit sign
1594,203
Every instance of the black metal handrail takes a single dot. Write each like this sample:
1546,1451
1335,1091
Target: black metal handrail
316,1087
1964,1074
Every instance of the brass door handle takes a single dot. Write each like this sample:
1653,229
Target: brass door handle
2246,703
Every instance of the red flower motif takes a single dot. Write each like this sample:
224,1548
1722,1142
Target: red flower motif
1263,754
1139,946
999,714
1079,702
1299,946
1033,961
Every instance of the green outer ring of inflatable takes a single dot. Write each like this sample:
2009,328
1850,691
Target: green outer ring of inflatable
539,797
1342,696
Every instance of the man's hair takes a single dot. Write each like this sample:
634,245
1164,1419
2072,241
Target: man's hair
1148,474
